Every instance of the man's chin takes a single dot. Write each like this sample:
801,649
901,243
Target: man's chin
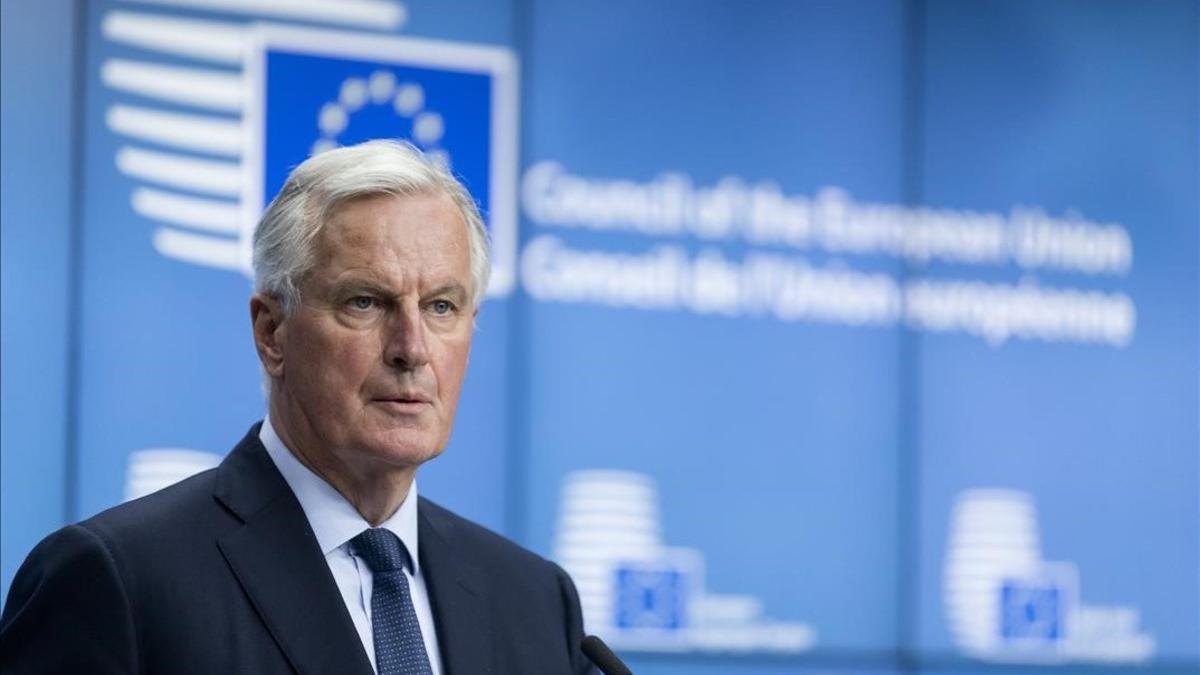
405,450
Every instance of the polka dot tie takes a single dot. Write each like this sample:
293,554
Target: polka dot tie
399,649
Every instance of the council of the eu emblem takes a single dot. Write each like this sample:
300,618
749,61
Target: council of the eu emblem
312,90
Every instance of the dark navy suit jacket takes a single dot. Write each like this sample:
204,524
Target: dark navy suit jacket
221,573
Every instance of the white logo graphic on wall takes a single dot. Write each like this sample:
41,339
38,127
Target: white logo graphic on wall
153,469
641,594
211,113
1004,602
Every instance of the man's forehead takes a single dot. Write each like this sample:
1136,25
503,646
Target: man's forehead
379,217
382,239
338,208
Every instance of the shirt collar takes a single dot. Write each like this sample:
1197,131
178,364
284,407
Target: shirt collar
333,519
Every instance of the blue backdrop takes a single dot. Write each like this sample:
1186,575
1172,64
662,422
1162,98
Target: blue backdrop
843,337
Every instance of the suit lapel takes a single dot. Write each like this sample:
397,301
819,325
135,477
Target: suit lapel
276,559
455,592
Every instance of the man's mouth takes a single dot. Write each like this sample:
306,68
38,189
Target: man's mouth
405,403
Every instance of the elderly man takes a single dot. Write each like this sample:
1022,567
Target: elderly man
308,549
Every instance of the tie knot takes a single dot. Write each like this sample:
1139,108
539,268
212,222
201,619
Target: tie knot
382,550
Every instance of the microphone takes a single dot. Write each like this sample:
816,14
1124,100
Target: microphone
608,663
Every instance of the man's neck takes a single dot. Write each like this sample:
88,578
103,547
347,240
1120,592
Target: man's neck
375,490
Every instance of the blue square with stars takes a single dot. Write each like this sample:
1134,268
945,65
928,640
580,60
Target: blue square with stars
1032,611
313,90
651,597
316,102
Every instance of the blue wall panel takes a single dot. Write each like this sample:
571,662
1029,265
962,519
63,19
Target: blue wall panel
1091,108
774,446
38,152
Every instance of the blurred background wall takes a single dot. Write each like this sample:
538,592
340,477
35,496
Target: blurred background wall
846,337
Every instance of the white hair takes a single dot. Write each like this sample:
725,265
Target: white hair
285,236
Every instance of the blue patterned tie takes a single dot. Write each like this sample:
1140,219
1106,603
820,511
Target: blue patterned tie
399,649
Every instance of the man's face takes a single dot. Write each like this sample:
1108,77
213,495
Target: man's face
371,363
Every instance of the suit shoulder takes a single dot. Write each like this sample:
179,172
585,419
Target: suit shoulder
513,576
68,609
170,512
469,534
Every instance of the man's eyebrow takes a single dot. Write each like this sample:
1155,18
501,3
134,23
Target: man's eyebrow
361,285
376,288
453,288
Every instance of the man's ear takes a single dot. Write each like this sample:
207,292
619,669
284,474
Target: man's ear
266,319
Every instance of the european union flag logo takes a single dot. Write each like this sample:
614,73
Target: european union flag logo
651,597
316,90
1032,612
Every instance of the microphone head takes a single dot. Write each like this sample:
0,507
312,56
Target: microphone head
608,663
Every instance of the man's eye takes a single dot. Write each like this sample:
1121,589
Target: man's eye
362,302
442,306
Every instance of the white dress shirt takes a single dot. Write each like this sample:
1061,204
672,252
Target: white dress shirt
335,522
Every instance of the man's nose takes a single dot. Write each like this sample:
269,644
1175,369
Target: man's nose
406,346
